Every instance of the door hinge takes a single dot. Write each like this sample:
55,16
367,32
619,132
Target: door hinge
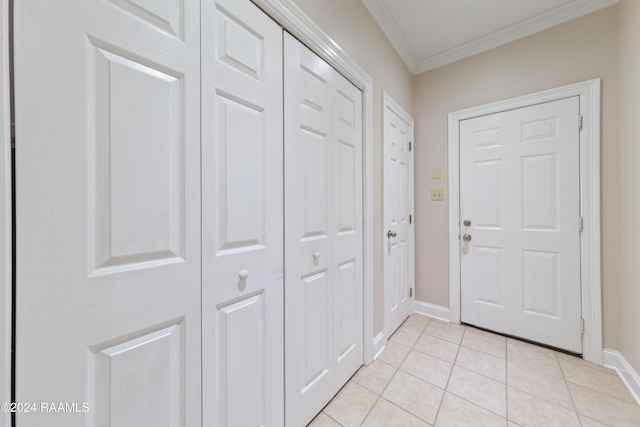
410,292
13,135
580,122
410,219
409,145
582,325
581,224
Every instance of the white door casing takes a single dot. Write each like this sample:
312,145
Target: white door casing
520,207
397,218
589,94
108,255
323,232
242,216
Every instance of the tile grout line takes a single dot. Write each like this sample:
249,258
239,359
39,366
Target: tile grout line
479,374
566,384
390,380
446,386
506,381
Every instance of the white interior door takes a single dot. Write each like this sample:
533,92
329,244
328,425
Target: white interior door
519,190
242,216
108,201
323,232
398,206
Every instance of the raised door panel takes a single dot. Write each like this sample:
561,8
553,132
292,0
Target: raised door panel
489,265
164,14
139,381
113,209
240,183
137,165
488,203
240,339
541,283
540,193
242,216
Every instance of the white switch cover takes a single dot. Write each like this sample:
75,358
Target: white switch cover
436,173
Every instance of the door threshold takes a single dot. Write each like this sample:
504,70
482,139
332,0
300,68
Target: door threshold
550,347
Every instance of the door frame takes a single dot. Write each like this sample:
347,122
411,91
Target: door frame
390,105
288,15
6,220
589,94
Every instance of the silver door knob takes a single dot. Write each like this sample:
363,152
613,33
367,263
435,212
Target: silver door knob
391,234
466,237
467,223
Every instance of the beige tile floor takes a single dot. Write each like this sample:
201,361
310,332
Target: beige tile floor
436,374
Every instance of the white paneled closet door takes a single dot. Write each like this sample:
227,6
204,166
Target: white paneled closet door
323,232
242,216
108,204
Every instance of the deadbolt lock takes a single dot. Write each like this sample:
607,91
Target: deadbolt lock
467,223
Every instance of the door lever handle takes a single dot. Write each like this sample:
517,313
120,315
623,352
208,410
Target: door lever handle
391,234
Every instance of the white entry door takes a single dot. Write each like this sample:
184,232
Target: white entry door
398,216
242,216
323,232
520,231
108,207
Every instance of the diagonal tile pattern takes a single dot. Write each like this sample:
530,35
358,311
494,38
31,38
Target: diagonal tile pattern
432,373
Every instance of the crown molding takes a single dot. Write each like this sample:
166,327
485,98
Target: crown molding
540,22
378,9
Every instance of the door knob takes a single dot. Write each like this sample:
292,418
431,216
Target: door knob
466,237
391,234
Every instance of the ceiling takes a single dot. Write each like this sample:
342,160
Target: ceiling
431,33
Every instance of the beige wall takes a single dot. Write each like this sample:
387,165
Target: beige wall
629,213
349,24
582,49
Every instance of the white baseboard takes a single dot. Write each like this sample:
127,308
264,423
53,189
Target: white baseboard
614,360
431,310
379,342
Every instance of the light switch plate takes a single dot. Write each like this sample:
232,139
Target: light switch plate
436,173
